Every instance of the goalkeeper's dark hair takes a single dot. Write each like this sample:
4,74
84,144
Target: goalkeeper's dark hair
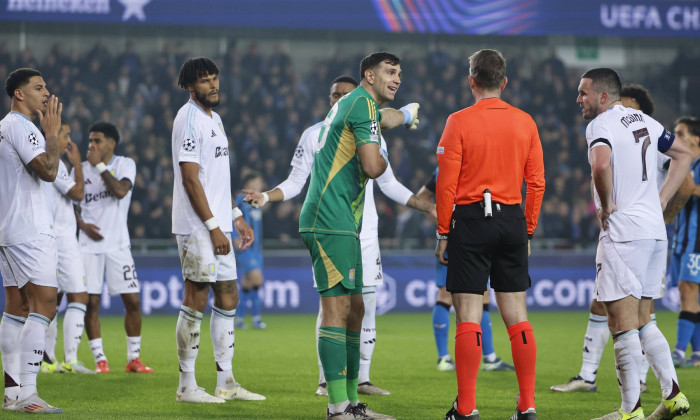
194,68
639,94
345,79
372,61
692,123
605,80
108,129
19,78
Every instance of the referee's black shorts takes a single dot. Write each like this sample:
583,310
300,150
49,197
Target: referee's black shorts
480,247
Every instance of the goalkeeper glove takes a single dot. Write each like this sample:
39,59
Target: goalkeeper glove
410,113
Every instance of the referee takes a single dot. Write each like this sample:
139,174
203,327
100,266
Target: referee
485,153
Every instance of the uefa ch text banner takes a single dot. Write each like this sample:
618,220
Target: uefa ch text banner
558,283
475,17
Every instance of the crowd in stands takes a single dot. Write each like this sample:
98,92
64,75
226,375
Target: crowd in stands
266,103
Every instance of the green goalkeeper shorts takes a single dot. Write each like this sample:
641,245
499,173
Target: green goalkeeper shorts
337,263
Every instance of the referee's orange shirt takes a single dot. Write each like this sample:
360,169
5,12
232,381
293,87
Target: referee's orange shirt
490,145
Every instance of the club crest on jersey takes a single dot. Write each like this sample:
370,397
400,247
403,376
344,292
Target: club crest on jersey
212,269
351,275
188,145
33,140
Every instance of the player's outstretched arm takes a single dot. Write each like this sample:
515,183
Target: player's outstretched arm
45,165
406,115
392,188
258,199
198,200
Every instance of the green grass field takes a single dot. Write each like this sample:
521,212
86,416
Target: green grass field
280,363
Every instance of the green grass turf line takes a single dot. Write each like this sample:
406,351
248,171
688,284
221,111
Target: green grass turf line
280,363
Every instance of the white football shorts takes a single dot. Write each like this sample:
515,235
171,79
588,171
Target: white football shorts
633,268
33,262
70,268
200,264
117,267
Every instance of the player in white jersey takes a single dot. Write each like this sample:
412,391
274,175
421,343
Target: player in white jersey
597,334
105,244
60,195
302,164
631,255
27,239
203,212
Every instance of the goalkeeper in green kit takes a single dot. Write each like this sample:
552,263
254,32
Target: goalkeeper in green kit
346,155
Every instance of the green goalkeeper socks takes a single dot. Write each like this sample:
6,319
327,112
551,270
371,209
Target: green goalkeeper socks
334,358
353,348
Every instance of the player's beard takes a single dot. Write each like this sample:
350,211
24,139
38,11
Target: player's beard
204,100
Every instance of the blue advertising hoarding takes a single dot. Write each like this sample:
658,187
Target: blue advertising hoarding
476,17
558,283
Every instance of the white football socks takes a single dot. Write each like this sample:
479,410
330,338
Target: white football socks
187,332
658,354
368,334
10,331
73,327
32,342
97,351
223,338
594,342
133,348
628,357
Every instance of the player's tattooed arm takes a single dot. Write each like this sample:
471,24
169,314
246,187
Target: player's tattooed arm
118,188
45,165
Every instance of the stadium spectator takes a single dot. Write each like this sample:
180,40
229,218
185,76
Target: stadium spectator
490,147
632,235
202,222
27,239
105,243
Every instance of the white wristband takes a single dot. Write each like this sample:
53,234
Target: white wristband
236,213
266,198
101,167
211,224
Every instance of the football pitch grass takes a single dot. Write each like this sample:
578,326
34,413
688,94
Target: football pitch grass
280,363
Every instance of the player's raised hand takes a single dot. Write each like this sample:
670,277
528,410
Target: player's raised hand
51,122
256,199
245,232
410,111
73,154
219,242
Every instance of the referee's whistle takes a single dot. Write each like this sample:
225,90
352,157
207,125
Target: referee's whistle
487,204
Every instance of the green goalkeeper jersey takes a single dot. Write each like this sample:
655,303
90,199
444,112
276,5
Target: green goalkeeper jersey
336,196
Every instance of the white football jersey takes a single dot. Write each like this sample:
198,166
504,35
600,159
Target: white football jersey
62,214
201,139
634,140
100,208
304,160
24,213
662,173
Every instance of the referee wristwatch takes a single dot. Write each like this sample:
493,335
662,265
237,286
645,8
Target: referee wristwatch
440,236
